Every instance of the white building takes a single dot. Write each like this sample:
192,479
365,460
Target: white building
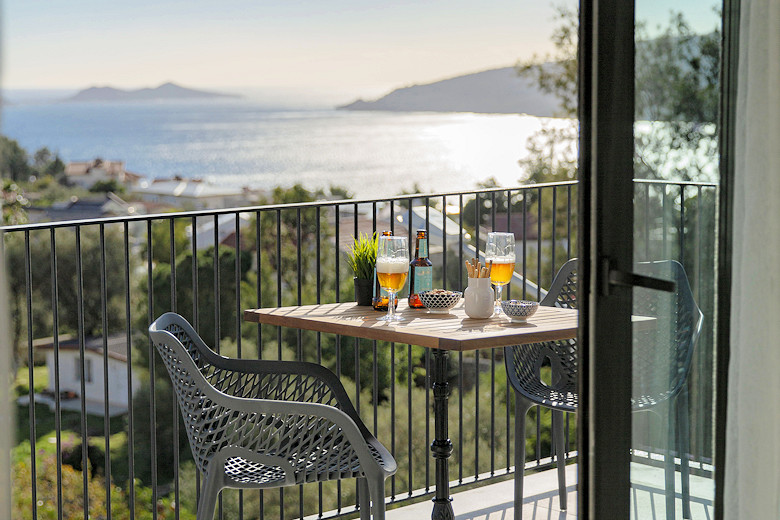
226,228
70,373
192,194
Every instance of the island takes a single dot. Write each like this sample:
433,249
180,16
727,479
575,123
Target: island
166,91
496,91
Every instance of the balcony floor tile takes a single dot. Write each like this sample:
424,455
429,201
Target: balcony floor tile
494,502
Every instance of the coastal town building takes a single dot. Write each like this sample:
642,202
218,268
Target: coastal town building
69,371
226,230
192,194
75,208
87,173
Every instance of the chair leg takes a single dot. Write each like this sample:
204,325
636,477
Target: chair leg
669,472
364,499
377,492
521,408
208,498
684,441
560,452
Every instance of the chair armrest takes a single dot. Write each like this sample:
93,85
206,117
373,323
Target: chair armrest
314,384
294,431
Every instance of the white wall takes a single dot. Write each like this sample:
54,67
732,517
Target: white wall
117,376
752,463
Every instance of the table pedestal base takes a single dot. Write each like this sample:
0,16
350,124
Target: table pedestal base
441,447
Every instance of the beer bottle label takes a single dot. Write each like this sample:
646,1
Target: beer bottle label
423,248
423,278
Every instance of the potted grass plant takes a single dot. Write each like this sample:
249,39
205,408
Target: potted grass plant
362,260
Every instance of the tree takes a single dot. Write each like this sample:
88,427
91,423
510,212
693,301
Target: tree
206,297
13,160
162,427
42,158
67,278
676,113
283,262
72,482
13,203
56,169
15,163
552,152
556,73
677,78
676,88
106,186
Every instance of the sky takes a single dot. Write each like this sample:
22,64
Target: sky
350,48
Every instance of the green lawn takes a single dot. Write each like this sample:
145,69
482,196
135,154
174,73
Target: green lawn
22,381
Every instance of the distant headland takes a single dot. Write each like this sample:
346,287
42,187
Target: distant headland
166,91
495,91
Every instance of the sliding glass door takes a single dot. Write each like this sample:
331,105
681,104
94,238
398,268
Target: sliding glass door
676,178
650,174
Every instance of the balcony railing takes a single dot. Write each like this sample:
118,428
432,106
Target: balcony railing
83,293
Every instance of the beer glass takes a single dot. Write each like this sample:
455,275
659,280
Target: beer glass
500,250
392,266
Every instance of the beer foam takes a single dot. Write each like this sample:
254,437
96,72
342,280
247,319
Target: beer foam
392,265
501,259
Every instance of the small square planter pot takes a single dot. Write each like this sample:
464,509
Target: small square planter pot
364,290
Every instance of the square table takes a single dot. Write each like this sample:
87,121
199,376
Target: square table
440,332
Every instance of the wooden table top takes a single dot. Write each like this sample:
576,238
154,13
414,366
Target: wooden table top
453,331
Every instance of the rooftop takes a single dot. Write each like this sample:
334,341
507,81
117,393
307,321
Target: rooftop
190,188
117,345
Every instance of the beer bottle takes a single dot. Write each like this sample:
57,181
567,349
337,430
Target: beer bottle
420,271
380,298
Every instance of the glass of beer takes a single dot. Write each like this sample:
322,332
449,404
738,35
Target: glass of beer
392,266
500,250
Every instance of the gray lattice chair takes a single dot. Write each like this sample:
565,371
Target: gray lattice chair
661,362
266,424
524,369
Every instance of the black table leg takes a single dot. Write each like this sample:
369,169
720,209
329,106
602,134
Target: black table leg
441,447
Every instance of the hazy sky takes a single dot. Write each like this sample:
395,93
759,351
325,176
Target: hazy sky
354,47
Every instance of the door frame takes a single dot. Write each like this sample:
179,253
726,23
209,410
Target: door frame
606,115
728,104
606,101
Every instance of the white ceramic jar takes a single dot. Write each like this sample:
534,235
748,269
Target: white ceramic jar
479,298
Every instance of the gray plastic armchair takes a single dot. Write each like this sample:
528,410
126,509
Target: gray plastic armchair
524,367
265,424
661,363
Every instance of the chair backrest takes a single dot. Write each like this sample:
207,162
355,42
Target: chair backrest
524,362
662,354
232,377
200,414
563,290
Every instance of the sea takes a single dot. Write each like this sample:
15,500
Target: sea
243,143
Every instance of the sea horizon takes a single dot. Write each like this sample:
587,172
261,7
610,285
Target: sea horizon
244,142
